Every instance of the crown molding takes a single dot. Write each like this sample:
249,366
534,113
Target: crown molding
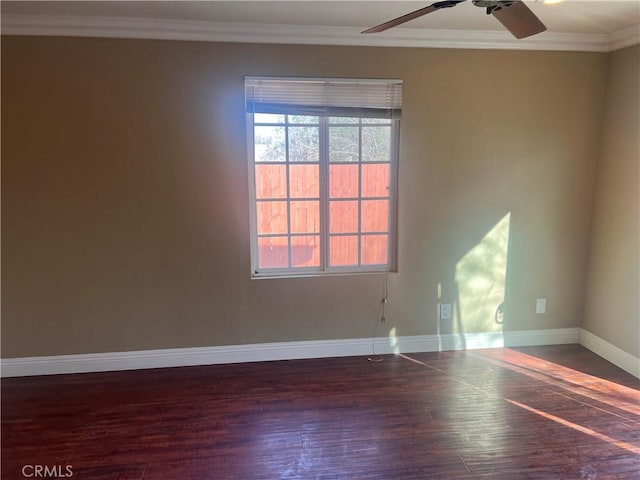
624,38
159,29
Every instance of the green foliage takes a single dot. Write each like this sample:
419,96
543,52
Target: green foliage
350,139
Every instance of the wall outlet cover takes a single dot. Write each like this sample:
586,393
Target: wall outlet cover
541,305
445,311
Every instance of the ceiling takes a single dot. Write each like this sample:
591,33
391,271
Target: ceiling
597,25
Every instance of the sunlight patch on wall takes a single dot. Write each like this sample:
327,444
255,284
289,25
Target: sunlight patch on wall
393,341
481,279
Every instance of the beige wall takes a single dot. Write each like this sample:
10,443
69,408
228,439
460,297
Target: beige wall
125,204
613,292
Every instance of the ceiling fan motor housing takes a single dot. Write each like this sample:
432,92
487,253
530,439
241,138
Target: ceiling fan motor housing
492,5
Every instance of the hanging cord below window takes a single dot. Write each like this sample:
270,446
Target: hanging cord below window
383,303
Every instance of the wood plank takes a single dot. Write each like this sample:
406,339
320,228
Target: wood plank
552,413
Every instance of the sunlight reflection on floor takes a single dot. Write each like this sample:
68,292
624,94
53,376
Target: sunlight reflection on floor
571,380
618,403
580,428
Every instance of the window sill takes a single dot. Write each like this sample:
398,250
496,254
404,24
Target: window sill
289,275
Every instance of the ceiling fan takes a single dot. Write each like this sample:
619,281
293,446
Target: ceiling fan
513,14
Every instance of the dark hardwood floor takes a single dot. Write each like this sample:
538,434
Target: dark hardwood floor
538,413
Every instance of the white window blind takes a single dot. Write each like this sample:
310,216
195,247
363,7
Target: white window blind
370,98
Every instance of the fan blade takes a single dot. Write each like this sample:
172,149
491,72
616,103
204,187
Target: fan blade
410,16
518,19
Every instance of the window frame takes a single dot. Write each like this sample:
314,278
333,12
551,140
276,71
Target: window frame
325,269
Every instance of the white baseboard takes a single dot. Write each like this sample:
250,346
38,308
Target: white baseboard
530,338
180,357
610,352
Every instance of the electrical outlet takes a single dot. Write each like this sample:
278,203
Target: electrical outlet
541,306
445,311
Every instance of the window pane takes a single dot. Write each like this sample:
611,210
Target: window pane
304,181
273,252
269,144
271,181
375,249
303,144
302,119
271,217
343,217
305,217
343,144
376,144
267,118
305,251
375,180
377,121
343,251
355,120
343,181
375,215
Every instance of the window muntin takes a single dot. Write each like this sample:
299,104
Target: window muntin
323,192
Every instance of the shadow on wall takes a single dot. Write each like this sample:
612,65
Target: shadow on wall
478,293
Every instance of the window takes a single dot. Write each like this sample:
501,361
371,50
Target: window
323,157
